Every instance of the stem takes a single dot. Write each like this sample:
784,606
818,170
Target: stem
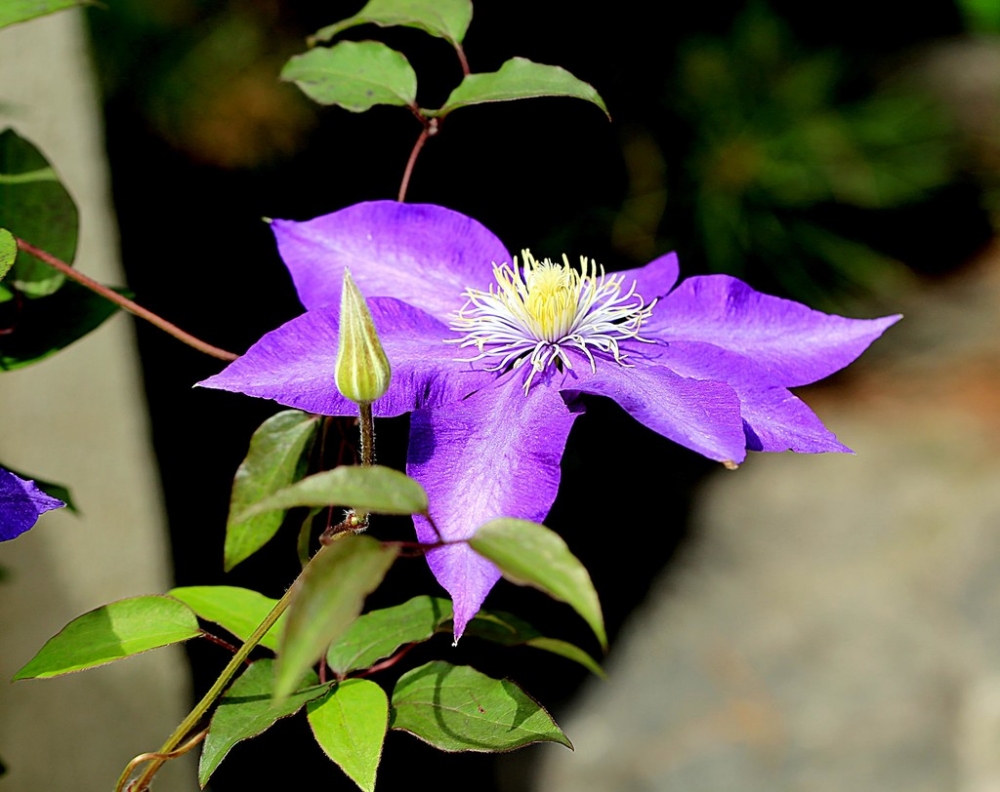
125,303
367,426
461,59
193,718
430,129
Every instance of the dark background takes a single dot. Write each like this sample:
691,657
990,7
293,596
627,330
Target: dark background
200,153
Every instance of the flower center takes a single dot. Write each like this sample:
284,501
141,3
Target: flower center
538,310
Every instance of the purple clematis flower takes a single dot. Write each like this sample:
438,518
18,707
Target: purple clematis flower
21,504
490,354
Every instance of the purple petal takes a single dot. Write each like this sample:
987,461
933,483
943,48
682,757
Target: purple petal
656,279
496,454
21,503
294,364
699,414
422,254
776,420
793,343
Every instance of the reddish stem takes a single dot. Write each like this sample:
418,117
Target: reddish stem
125,303
430,129
461,58
388,663
219,642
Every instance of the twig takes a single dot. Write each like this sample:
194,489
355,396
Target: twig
125,303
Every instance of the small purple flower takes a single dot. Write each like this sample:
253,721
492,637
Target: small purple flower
491,353
21,504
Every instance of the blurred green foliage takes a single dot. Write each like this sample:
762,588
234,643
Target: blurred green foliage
773,137
204,73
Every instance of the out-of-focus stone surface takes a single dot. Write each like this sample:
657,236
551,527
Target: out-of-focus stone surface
79,418
834,624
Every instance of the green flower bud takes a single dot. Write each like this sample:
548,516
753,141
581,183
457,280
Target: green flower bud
362,370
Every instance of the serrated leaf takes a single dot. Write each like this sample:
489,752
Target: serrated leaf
14,11
42,327
447,19
375,489
111,632
330,594
246,711
355,75
35,207
239,610
518,78
529,554
456,708
270,465
350,723
379,634
8,252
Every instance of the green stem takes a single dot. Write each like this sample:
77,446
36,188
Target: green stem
194,717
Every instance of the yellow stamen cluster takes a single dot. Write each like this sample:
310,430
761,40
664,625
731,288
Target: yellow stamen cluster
536,311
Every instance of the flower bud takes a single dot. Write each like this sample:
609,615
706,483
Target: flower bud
362,371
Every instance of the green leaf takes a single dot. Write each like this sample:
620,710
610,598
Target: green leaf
447,19
331,592
239,610
246,711
8,252
567,650
349,724
13,11
379,634
509,630
981,16
48,487
529,554
43,327
375,489
355,75
518,78
456,708
270,465
35,207
112,632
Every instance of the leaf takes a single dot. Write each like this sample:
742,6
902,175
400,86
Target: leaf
42,327
239,610
35,207
59,491
355,75
112,632
379,634
349,724
518,78
456,708
8,252
447,19
375,489
13,11
567,650
509,630
246,711
529,554
331,592
270,465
